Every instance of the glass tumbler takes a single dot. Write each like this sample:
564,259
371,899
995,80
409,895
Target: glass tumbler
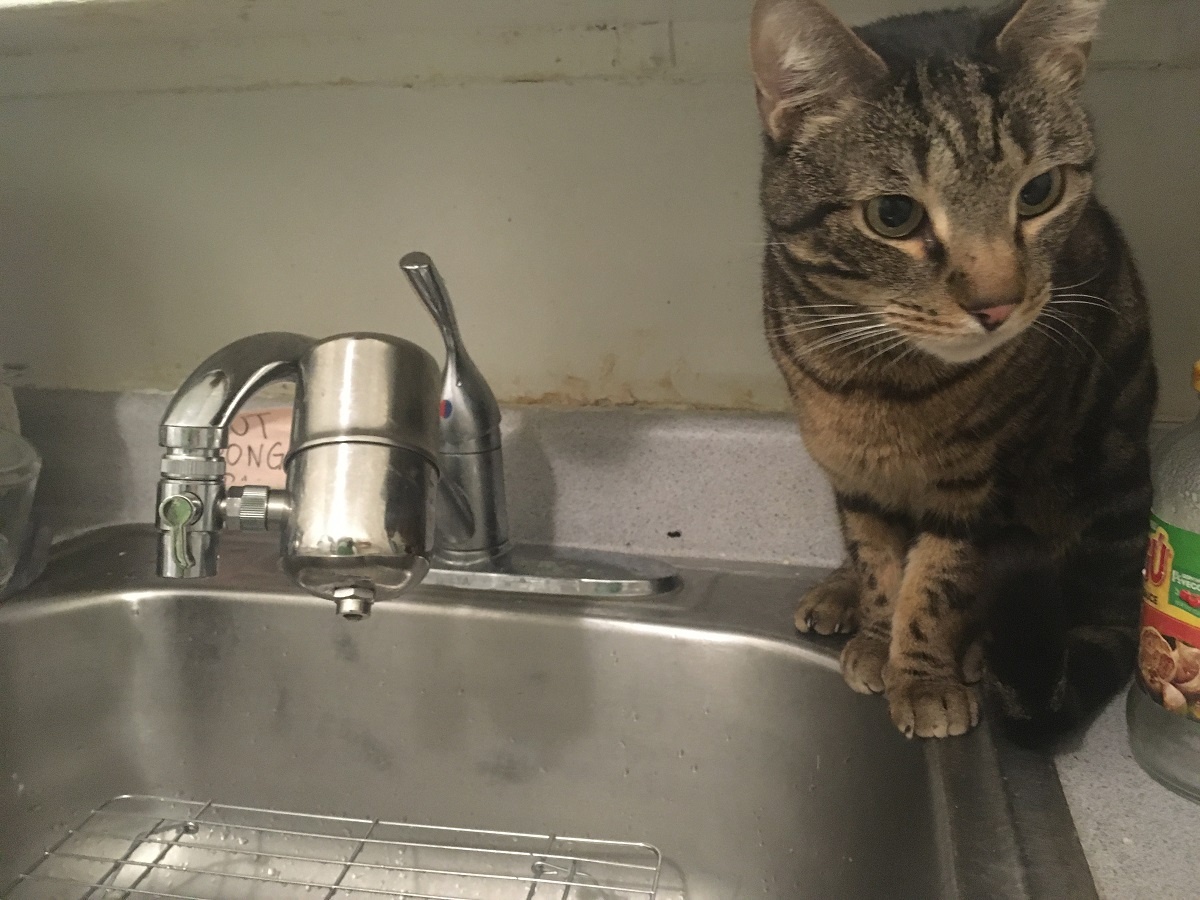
19,468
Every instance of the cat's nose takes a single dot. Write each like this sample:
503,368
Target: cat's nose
993,317
986,279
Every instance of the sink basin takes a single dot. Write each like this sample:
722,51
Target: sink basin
712,746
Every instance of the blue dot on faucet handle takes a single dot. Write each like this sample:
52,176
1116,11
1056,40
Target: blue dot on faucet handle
446,409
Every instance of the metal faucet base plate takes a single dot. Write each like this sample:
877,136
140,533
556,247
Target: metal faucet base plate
135,846
532,569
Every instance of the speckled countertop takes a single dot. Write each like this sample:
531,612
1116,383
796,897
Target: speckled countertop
1141,840
732,486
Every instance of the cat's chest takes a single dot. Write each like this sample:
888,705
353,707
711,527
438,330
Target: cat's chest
892,452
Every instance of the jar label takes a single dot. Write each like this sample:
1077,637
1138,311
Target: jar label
1169,647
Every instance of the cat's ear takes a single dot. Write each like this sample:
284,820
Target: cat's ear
1054,35
805,60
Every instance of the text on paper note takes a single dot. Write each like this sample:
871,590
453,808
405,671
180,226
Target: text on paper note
258,445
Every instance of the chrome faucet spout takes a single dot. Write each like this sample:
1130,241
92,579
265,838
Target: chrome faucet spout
193,432
205,404
357,515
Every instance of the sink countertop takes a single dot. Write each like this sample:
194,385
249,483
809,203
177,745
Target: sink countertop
1139,837
703,485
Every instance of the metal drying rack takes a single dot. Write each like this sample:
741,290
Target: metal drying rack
139,846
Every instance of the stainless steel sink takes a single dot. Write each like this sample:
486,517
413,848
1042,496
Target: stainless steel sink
697,726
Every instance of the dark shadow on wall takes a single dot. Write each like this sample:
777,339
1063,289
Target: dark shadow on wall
99,452
594,447
529,484
79,306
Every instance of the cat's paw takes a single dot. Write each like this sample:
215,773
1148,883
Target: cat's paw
831,605
864,659
933,707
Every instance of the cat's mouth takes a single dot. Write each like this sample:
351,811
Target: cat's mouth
974,339
964,349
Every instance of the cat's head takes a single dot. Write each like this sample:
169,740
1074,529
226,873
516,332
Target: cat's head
928,169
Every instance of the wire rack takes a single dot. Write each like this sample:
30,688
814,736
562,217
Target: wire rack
137,846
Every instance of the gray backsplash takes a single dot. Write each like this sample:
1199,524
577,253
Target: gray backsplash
690,484
720,485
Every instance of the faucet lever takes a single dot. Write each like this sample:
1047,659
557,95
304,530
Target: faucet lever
428,284
178,512
470,416
473,530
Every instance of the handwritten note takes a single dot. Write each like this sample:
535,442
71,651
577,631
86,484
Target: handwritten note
258,443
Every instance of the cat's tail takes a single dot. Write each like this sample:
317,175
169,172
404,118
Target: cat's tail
1057,648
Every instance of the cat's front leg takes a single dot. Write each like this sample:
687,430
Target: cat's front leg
924,680
875,546
836,603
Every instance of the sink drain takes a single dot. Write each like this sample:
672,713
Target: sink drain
137,847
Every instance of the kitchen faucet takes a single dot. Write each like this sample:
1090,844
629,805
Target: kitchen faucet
472,515
357,514
394,476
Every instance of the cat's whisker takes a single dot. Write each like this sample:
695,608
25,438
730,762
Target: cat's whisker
814,332
1067,287
852,344
1064,301
801,307
1057,337
911,349
843,345
801,317
1062,309
879,340
1063,293
1076,295
844,325
864,348
847,338
1064,316
796,328
1062,340
887,347
847,318
1063,320
901,339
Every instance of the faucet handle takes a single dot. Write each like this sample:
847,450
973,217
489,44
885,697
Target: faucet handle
472,514
178,511
470,416
427,282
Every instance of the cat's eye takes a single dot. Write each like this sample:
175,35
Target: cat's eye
894,215
1040,194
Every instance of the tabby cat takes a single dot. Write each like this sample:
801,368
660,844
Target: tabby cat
966,343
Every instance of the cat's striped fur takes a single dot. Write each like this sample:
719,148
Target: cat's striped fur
992,482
